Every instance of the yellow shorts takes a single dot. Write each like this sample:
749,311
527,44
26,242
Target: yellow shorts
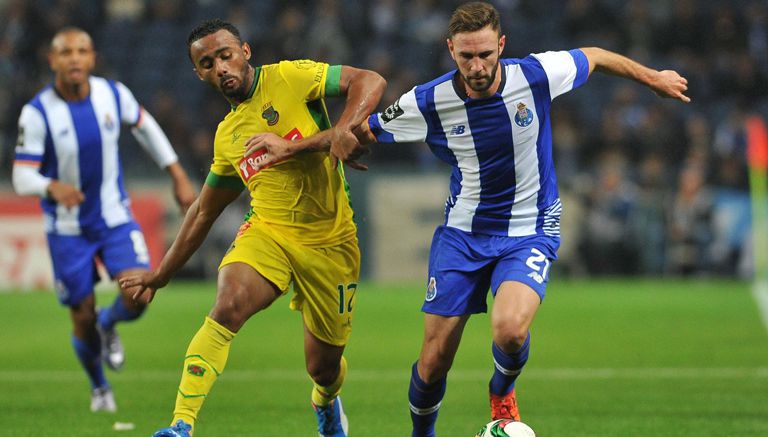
324,278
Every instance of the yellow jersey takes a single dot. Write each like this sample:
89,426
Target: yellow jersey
304,197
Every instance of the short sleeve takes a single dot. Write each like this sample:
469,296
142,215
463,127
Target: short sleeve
401,122
222,174
30,146
566,70
130,110
221,165
216,180
306,78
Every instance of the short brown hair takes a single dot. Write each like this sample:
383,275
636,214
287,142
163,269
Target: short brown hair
473,16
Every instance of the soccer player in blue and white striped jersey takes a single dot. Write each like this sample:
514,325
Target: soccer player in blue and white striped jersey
67,154
490,120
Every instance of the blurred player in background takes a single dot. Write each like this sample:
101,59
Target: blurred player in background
67,154
490,121
300,228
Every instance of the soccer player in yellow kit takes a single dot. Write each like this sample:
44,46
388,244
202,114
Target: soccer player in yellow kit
300,227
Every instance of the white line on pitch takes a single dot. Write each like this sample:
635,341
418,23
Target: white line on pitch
760,291
648,373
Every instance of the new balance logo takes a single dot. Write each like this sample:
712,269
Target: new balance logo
457,129
536,277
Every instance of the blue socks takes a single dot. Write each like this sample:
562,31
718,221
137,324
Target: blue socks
424,401
117,313
507,368
89,354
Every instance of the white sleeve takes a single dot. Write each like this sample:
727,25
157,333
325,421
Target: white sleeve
401,122
566,70
30,148
130,110
152,138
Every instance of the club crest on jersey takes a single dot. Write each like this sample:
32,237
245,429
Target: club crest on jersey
108,122
270,114
431,289
524,116
392,112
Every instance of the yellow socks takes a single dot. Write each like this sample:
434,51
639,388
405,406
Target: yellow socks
322,396
205,360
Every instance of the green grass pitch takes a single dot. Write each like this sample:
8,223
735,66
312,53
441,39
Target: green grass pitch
608,358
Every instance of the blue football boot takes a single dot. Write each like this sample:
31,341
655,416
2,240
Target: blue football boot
180,429
331,420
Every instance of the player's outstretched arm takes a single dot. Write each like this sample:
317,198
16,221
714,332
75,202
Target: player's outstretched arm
197,223
666,83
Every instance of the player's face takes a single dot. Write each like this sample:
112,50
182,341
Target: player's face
222,61
477,56
72,57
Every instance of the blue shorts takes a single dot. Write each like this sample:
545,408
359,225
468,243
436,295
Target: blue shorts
463,266
74,258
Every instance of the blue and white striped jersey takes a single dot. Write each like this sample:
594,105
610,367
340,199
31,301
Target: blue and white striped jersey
503,180
77,143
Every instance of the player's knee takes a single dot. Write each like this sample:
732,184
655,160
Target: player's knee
434,367
83,318
323,375
136,306
509,335
232,308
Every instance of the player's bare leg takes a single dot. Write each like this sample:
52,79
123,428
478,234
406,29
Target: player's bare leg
442,336
513,311
327,368
241,292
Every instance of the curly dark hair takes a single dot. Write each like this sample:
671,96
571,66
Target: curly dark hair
208,27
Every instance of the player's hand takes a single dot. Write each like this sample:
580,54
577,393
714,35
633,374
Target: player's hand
65,194
669,83
275,149
144,282
345,146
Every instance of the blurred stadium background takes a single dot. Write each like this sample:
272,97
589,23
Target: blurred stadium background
651,188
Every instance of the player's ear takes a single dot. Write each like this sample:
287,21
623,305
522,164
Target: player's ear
247,51
52,61
94,59
449,41
199,76
502,41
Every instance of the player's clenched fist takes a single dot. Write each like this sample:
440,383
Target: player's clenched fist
347,147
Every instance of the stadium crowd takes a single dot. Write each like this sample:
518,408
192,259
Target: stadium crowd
649,186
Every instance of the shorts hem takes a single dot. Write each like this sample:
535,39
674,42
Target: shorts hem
449,314
323,338
259,269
